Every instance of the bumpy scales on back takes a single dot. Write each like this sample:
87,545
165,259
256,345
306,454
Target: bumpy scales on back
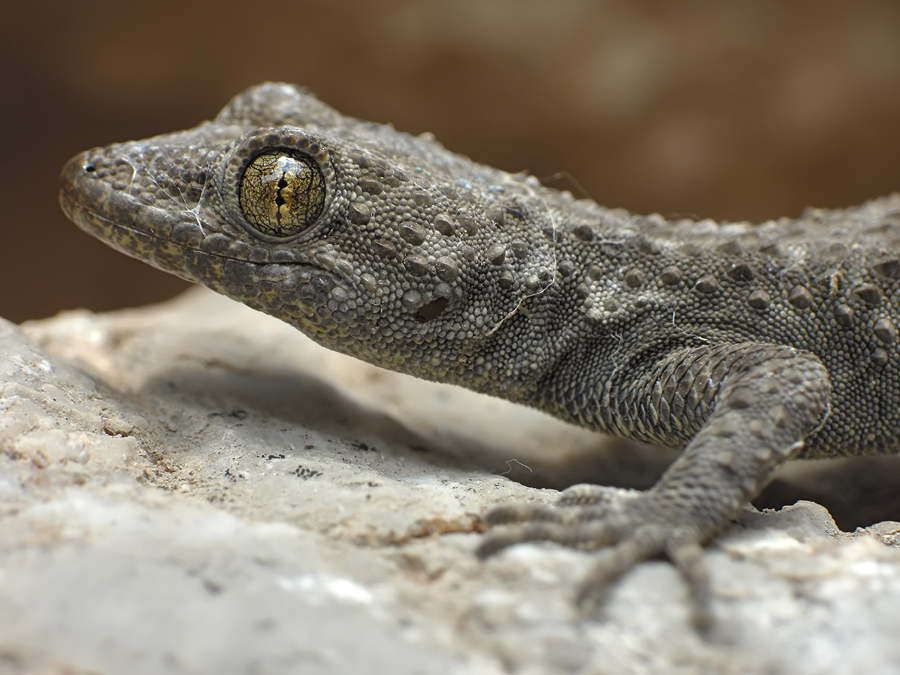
744,345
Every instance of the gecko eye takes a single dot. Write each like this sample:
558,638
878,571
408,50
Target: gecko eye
282,193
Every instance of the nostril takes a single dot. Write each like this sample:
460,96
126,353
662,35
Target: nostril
90,168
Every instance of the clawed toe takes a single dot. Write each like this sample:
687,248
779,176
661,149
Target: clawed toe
684,550
581,535
615,561
519,513
585,494
616,523
682,547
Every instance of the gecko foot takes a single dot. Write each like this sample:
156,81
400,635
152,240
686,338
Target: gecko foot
626,526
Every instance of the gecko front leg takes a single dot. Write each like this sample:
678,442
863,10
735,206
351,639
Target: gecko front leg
755,405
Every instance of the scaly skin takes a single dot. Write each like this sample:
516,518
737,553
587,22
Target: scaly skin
744,345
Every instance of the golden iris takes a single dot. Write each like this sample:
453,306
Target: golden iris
281,193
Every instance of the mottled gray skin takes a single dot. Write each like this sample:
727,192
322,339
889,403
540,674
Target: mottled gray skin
744,345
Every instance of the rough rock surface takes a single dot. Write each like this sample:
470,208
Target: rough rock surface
196,488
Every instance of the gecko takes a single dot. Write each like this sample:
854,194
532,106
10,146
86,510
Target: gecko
742,345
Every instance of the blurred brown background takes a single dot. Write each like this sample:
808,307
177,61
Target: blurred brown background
746,109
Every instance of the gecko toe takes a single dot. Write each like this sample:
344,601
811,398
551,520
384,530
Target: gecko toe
586,535
626,526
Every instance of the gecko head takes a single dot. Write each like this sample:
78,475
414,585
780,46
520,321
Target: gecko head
359,237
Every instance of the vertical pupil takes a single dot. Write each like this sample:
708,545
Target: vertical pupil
282,193
279,200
